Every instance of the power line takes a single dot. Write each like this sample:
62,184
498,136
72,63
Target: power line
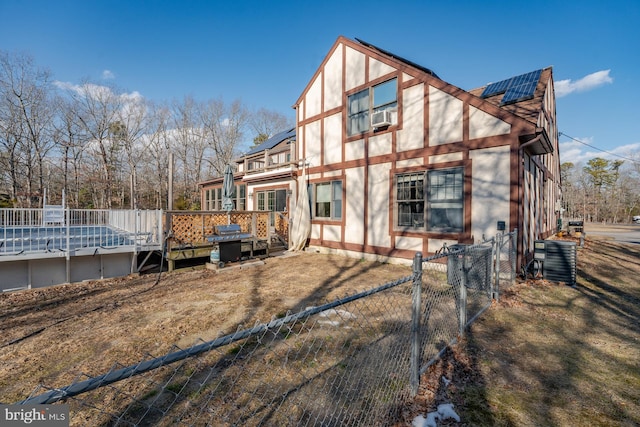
596,148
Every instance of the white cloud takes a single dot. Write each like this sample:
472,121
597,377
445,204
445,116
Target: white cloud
108,75
130,103
86,89
588,82
134,96
97,91
577,153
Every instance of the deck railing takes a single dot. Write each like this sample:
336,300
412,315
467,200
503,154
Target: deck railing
191,228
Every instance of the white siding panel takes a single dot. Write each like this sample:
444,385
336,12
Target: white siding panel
380,144
409,243
354,150
378,205
354,206
300,142
333,80
301,111
435,244
443,158
445,117
490,190
409,163
355,68
482,124
315,231
333,139
332,233
312,142
378,69
411,136
313,98
330,174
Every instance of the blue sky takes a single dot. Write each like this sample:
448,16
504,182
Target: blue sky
265,52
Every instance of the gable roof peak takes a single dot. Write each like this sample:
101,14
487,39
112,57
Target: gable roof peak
398,58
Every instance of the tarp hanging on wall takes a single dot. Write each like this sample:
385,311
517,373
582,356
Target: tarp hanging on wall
301,221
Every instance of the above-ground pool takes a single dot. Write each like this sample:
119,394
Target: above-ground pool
17,240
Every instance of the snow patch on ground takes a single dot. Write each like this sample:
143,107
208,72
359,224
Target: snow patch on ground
334,317
445,411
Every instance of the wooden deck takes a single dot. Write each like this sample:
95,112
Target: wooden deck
188,232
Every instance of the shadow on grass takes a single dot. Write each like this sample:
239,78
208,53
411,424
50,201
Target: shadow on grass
260,349
564,356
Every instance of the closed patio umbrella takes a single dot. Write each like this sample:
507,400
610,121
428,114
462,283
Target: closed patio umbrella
227,191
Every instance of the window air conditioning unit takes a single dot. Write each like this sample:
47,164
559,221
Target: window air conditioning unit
381,119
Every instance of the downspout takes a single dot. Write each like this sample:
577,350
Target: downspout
520,243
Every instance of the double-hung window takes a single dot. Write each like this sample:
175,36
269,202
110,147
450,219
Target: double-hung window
431,201
445,200
327,200
362,104
410,200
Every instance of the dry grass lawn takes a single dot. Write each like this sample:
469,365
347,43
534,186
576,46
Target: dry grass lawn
544,355
552,355
50,335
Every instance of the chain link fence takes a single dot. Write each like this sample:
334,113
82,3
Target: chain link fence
352,361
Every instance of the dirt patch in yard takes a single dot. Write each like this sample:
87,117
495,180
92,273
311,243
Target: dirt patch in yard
51,335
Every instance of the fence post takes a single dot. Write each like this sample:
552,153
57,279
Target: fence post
415,323
463,293
492,268
514,254
496,287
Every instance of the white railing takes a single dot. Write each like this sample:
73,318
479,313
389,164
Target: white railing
29,231
145,224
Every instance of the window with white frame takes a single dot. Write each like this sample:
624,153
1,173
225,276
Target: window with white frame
431,201
362,104
327,200
213,198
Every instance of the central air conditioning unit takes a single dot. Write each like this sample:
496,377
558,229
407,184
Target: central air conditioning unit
558,259
381,119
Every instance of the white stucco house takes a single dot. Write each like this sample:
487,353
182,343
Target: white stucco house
398,160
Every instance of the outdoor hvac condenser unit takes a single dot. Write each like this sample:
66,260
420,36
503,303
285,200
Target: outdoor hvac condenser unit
558,258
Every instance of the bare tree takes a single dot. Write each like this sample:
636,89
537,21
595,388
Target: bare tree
266,123
188,144
71,142
155,163
10,136
131,129
224,129
98,109
27,118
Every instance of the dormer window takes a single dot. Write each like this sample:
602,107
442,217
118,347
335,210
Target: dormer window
381,97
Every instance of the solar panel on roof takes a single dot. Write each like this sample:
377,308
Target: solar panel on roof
522,88
515,89
495,88
519,93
